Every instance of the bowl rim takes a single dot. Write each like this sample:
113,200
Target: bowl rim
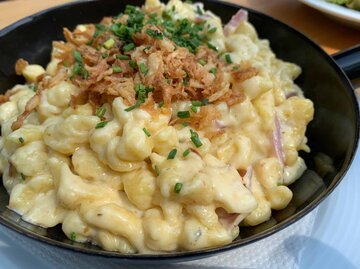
202,253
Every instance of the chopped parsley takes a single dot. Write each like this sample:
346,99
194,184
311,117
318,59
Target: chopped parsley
100,112
146,132
183,114
143,69
185,124
194,109
178,186
101,124
21,140
194,136
117,69
186,152
73,236
172,154
154,34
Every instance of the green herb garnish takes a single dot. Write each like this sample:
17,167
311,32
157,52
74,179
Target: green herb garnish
128,47
212,30
100,112
228,59
183,114
194,136
101,124
133,64
117,69
143,68
172,154
202,62
109,43
157,170
73,236
186,152
21,140
196,103
146,132
178,186
213,70
122,57
154,34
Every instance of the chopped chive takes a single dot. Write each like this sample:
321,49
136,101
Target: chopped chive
193,109
236,67
205,101
154,34
213,70
100,112
211,46
186,79
133,64
143,68
136,105
73,236
146,48
104,55
123,57
23,177
129,47
77,56
146,132
185,124
196,103
178,186
101,124
157,170
195,138
183,114
186,152
85,73
109,43
202,62
228,59
33,87
90,42
172,154
199,11
161,104
212,30
101,27
21,140
117,69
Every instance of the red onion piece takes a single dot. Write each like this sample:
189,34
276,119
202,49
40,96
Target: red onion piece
291,94
247,178
240,16
277,141
229,220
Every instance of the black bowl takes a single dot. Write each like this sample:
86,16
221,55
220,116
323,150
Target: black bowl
333,132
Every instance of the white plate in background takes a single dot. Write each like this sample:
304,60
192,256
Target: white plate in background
340,13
